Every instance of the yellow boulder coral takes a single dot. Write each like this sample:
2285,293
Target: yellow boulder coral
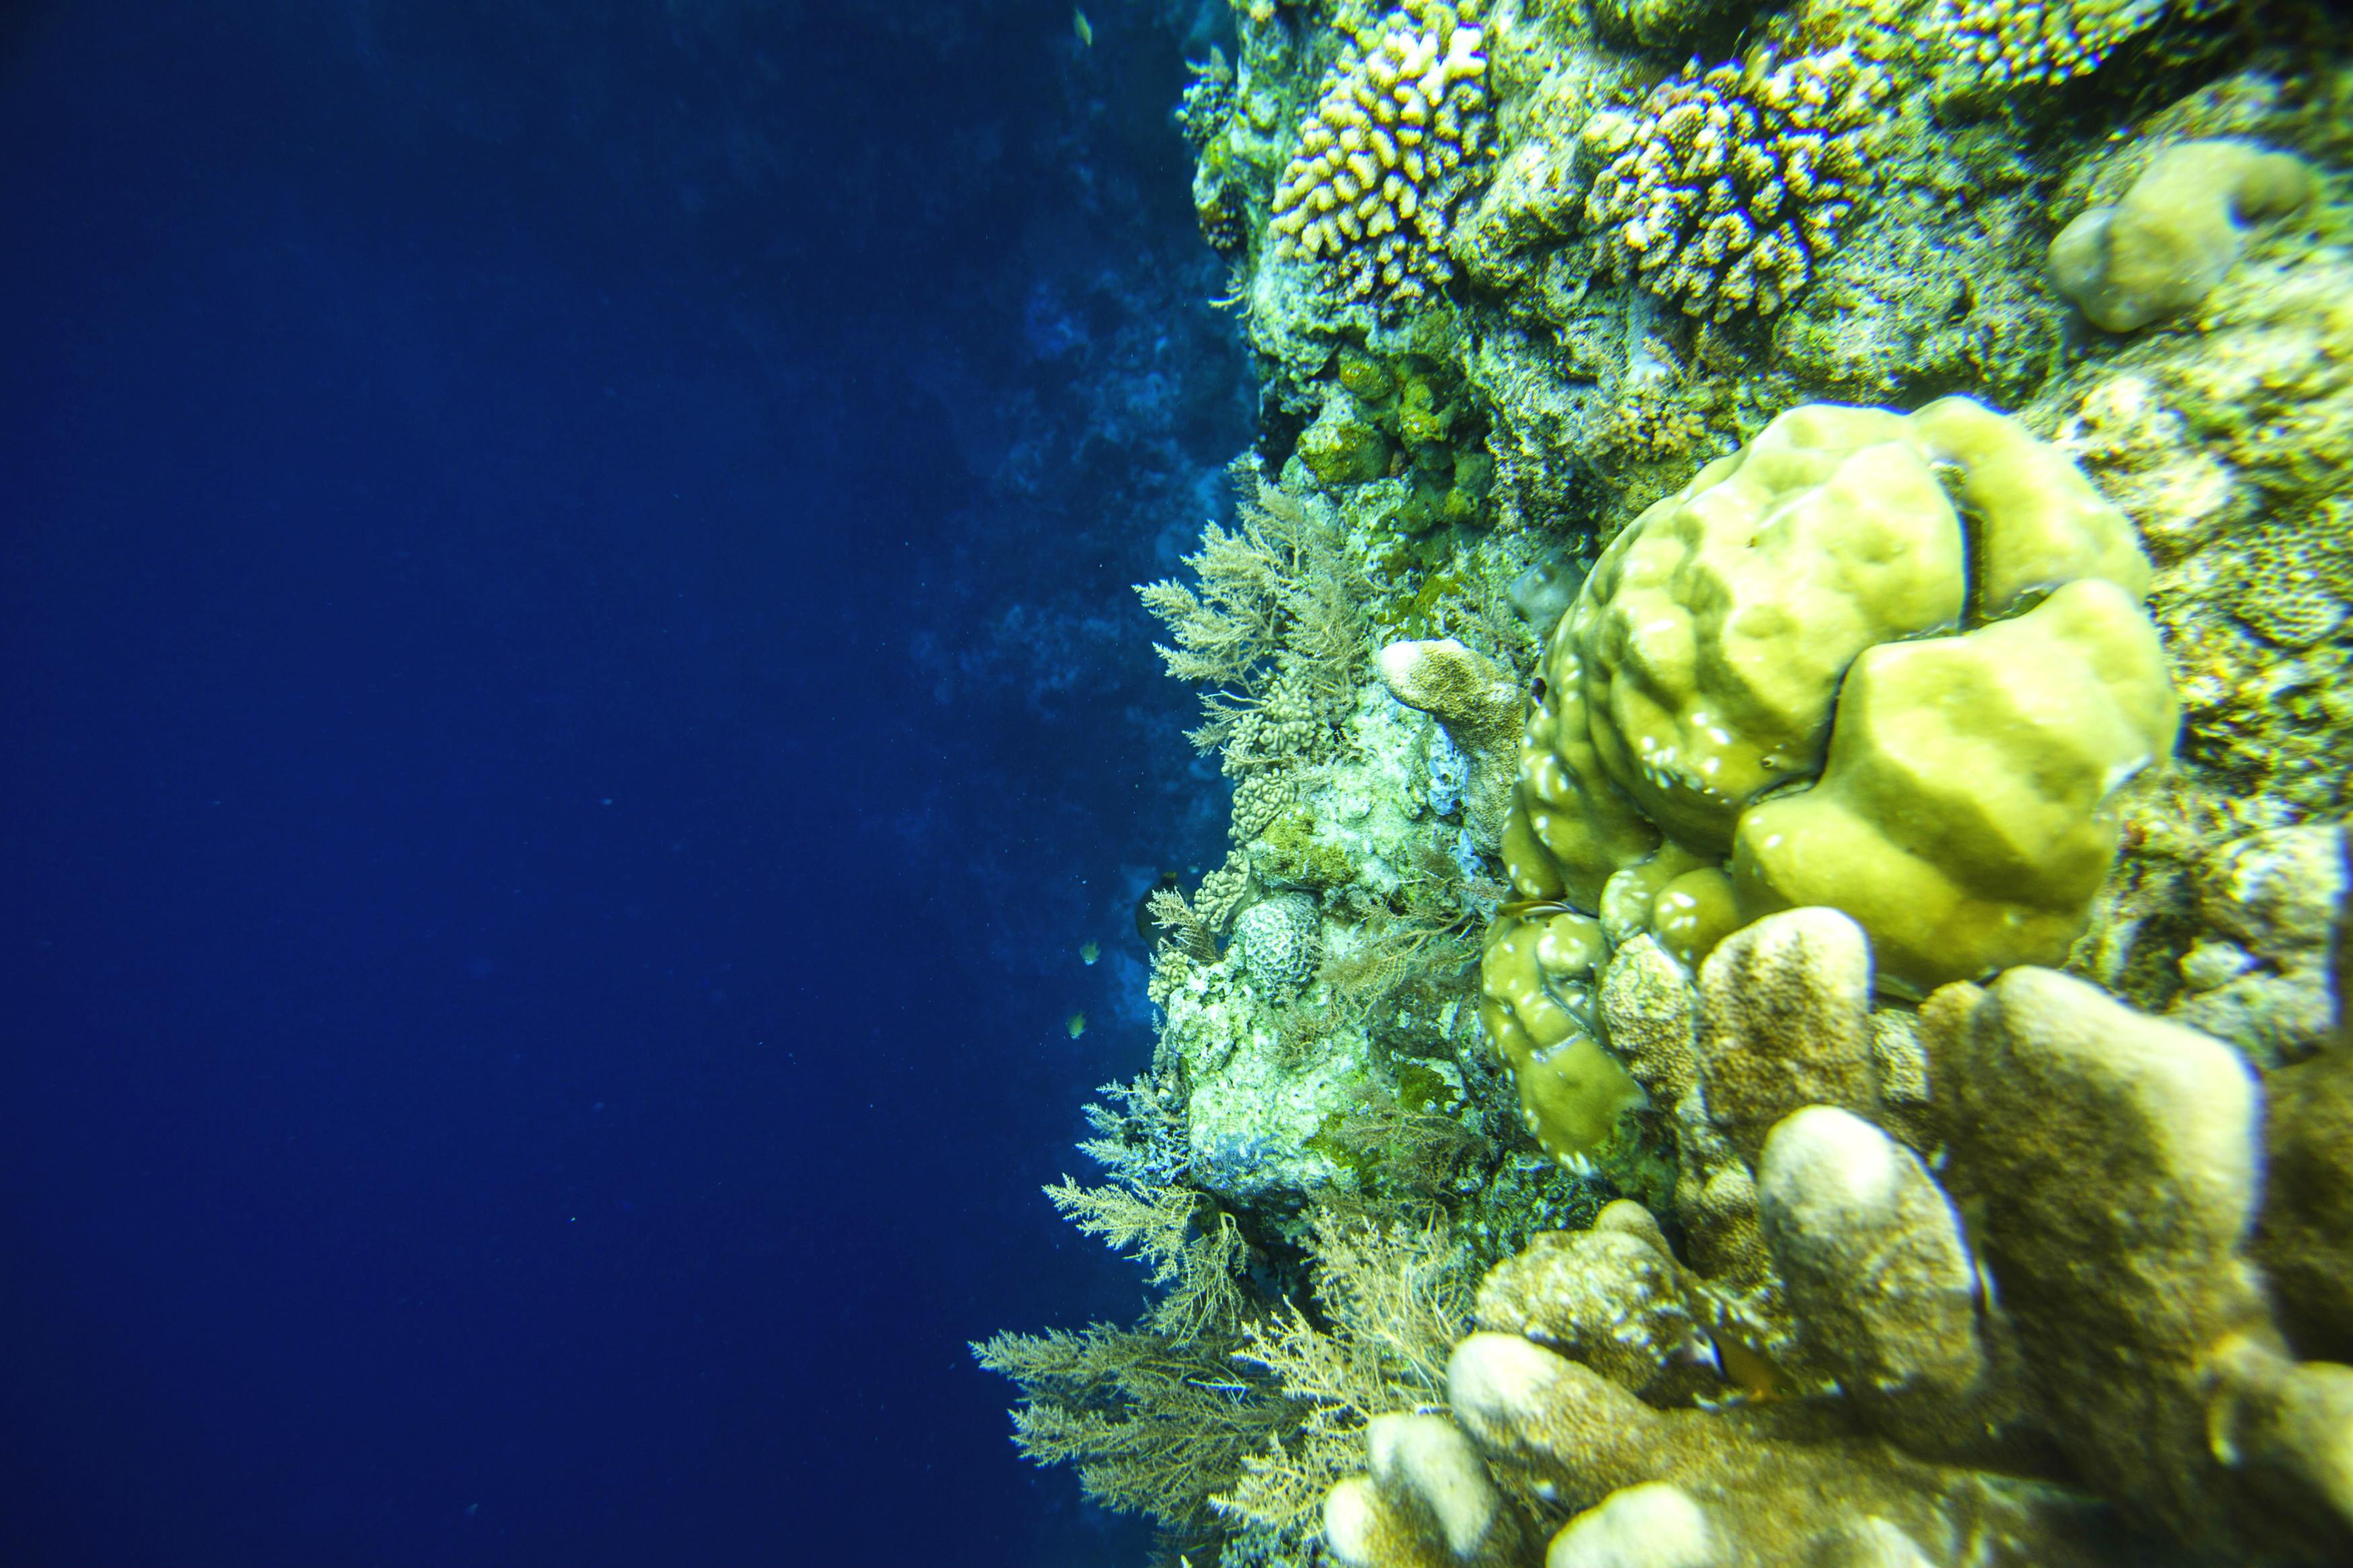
1537,980
2181,227
1893,664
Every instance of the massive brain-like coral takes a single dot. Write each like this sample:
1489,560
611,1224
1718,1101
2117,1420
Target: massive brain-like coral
1893,664
1726,186
1392,145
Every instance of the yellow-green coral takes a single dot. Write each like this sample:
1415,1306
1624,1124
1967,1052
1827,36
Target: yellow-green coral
2159,251
1806,585
2042,43
1387,153
1536,980
1726,187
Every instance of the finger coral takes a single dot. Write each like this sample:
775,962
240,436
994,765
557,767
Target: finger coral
1726,187
1391,146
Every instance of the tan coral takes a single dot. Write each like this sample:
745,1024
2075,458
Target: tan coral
1392,145
2181,227
2099,1322
1479,706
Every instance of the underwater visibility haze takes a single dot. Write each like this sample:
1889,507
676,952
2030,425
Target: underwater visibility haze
1480,782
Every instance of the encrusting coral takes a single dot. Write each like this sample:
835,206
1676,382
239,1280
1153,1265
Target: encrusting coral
1392,145
2178,230
1726,186
2099,1322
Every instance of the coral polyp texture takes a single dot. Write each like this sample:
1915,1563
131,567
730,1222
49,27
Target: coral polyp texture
1391,146
1277,941
1726,186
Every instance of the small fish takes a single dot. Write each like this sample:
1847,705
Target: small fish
1089,953
1077,1025
1082,28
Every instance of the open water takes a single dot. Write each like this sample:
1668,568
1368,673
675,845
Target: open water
569,702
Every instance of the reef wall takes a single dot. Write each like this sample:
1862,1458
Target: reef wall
1784,659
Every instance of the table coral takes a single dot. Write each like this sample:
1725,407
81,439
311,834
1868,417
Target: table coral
1393,141
1726,187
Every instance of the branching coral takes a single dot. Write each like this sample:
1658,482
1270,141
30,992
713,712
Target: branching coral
1726,187
2042,43
1396,139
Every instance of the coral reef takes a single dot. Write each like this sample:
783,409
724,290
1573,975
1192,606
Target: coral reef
1393,143
2181,226
1727,185
1788,777
2121,1339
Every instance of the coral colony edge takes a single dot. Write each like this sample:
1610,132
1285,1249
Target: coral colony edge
1785,658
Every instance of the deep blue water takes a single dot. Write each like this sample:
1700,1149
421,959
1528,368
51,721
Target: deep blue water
569,697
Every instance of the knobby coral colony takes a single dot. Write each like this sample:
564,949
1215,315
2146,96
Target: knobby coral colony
1777,996
1386,155
1728,185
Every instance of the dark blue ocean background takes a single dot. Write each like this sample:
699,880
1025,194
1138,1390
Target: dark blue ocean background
569,698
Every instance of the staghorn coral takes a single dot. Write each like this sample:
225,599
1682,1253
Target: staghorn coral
1725,188
2121,1339
1398,137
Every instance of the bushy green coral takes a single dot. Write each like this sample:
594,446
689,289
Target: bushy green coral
1693,686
